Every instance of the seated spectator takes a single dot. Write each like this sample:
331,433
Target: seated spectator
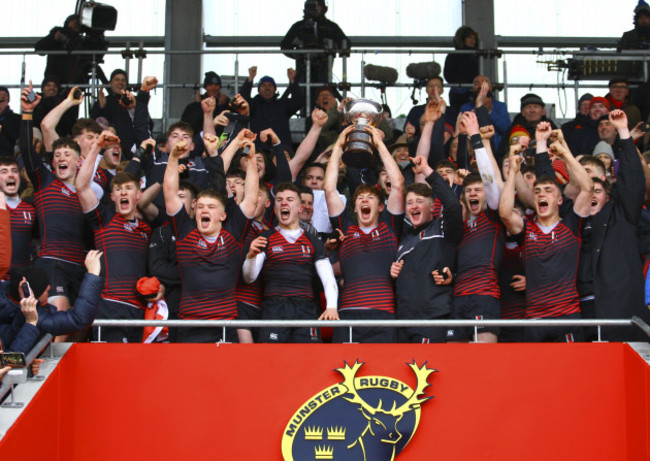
482,95
619,98
585,136
533,111
118,107
10,123
582,111
434,90
269,111
193,113
50,98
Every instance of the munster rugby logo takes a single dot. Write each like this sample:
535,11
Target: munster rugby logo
351,420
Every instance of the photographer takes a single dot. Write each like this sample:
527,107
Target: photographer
70,68
314,31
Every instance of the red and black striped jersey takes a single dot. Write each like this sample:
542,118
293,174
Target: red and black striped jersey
479,255
125,245
551,263
250,293
437,208
513,303
289,267
60,219
366,258
209,270
22,220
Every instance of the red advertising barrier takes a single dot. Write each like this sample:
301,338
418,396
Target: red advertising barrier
339,402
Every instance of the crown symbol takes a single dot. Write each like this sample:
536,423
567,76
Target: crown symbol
336,433
313,433
324,452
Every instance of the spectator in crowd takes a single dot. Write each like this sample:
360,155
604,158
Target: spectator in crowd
118,107
326,98
21,213
482,95
550,244
306,209
288,258
612,242
269,111
369,244
619,98
193,113
50,98
584,137
582,111
461,68
533,111
9,123
37,317
434,90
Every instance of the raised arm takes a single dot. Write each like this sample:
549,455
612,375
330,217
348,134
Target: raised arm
432,113
319,119
51,120
579,177
396,197
490,175
335,205
252,185
510,218
630,180
82,182
171,180
208,105
141,117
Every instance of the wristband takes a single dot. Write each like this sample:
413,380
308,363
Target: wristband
139,153
477,142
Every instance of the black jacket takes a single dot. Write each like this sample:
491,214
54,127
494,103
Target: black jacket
618,272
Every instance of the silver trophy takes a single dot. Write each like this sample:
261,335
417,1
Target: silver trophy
358,151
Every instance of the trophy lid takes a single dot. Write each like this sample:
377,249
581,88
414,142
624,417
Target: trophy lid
366,108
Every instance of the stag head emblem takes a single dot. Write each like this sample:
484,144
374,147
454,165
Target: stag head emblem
345,422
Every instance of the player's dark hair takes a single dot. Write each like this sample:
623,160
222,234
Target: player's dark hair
528,169
287,186
305,190
421,189
594,161
87,124
445,164
236,173
191,187
605,184
368,189
180,125
5,160
472,178
66,142
212,193
547,179
124,177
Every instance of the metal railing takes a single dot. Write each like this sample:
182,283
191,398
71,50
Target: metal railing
7,385
350,324
435,46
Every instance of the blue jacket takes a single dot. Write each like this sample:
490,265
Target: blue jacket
18,336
